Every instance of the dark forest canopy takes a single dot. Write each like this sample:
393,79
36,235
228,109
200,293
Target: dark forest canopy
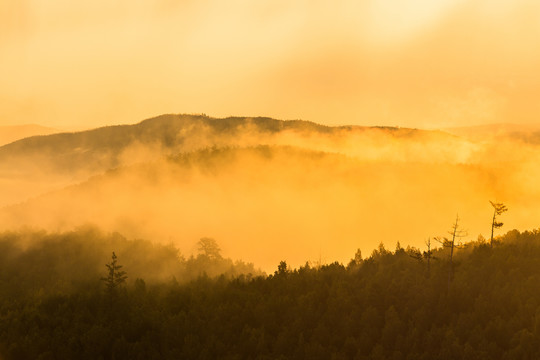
61,263
386,306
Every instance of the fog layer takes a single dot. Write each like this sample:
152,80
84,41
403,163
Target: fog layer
268,190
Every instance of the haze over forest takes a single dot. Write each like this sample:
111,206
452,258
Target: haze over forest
269,179
269,190
465,73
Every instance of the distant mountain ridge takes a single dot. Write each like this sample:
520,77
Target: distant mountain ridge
102,148
163,128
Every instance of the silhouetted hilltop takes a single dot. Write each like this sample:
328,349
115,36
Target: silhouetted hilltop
171,123
103,148
166,130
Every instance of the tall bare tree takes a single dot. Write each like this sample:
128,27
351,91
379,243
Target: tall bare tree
456,232
498,209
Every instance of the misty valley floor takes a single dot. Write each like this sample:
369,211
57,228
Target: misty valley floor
386,306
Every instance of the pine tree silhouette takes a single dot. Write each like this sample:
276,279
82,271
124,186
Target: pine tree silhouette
116,276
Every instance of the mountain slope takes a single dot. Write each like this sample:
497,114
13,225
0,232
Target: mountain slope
103,148
36,165
260,201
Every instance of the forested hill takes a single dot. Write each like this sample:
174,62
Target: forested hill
389,305
172,130
103,148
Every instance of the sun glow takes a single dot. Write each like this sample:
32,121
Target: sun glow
71,64
392,22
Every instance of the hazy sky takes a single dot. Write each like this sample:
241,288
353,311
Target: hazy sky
416,63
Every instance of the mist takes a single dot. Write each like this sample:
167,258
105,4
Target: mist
392,213
300,192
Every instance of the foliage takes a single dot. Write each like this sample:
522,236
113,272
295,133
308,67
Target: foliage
498,209
209,248
115,276
71,262
386,306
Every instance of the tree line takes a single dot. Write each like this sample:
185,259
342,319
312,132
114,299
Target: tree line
392,304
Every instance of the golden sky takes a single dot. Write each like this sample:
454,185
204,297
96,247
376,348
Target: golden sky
414,63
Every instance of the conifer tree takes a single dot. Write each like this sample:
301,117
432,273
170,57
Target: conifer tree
498,209
116,276
428,255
